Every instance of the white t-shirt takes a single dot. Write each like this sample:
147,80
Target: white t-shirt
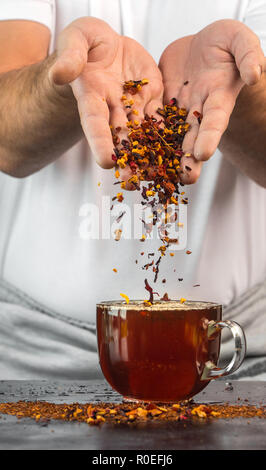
43,251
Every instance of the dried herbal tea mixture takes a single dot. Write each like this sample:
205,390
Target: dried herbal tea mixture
153,150
126,413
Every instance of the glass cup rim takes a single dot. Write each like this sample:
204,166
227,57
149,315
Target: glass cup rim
174,304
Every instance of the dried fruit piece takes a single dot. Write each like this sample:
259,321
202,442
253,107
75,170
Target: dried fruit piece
125,297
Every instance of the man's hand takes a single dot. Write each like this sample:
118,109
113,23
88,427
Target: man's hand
96,61
217,62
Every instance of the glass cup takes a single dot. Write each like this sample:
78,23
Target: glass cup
165,352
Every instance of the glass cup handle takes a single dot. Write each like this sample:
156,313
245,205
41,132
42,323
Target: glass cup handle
211,371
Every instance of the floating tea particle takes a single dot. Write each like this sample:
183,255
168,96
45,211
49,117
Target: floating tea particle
125,297
150,290
198,116
118,234
165,297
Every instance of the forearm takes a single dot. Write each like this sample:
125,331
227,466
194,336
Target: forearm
37,121
244,141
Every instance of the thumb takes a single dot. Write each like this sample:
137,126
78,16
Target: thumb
72,53
248,55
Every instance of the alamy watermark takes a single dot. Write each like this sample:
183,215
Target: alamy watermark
98,222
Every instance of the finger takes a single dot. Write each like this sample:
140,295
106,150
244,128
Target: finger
125,175
94,116
193,121
190,169
139,102
172,89
185,97
152,107
248,55
72,52
216,113
118,119
136,111
173,65
134,105
189,166
148,100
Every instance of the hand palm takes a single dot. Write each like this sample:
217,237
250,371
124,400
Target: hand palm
216,63
108,61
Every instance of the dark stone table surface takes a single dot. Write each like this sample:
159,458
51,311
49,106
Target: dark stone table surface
219,434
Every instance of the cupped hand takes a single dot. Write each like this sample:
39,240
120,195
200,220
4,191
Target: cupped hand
96,61
206,72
